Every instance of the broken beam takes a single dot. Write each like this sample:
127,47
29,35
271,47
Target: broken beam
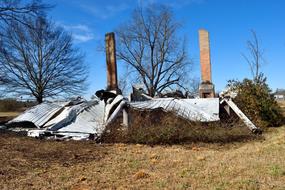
242,116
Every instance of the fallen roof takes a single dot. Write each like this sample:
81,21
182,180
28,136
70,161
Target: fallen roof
39,115
203,110
73,118
89,120
81,119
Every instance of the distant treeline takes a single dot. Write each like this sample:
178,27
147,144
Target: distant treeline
7,105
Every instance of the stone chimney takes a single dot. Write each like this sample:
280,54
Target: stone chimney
112,80
206,88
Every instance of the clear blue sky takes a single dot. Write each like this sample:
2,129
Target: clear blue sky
228,21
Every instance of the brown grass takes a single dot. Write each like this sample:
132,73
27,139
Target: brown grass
27,163
9,114
6,116
40,164
282,105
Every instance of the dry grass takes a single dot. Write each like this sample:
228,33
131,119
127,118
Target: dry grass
157,128
9,114
39,164
6,116
282,105
27,163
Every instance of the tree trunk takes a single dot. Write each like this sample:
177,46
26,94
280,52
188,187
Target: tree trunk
151,92
39,99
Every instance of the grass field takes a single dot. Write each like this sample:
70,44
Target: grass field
27,163
40,164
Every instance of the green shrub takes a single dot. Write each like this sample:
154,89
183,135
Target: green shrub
257,102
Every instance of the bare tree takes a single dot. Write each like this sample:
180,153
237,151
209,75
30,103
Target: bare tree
153,53
255,57
40,61
193,90
14,10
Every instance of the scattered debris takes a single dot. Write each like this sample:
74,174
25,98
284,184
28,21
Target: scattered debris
80,119
39,115
242,116
2,127
139,94
77,119
227,103
279,94
203,110
175,94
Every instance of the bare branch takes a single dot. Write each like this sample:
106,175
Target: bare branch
40,61
149,44
255,58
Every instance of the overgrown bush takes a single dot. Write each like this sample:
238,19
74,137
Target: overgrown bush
257,102
158,127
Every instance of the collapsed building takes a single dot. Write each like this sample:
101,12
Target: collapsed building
81,119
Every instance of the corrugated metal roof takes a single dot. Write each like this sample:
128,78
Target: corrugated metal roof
85,117
80,118
67,115
39,114
90,120
204,110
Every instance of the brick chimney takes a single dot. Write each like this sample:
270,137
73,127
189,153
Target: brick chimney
206,88
112,80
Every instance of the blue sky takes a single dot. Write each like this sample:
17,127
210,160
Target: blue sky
228,21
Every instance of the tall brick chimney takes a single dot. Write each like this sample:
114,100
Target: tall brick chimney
206,88
112,80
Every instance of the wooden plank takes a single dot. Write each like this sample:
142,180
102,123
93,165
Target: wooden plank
242,116
125,117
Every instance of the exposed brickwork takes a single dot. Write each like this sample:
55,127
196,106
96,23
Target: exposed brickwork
205,56
206,88
112,81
